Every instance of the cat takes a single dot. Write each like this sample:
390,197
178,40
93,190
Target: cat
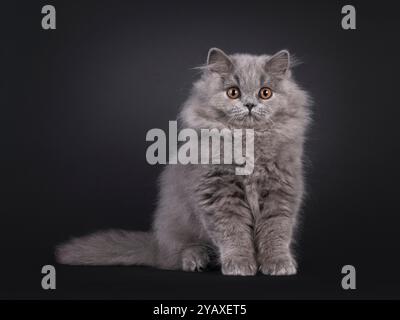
206,213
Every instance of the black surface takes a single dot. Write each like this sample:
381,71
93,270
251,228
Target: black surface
76,104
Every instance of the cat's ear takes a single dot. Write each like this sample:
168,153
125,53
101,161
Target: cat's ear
278,64
218,61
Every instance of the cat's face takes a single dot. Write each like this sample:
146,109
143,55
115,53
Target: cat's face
244,91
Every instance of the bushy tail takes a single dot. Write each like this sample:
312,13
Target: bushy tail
114,247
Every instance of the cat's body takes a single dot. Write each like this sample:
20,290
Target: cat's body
245,221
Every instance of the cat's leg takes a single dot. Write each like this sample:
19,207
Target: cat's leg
181,241
227,218
274,230
181,247
195,258
177,252
232,234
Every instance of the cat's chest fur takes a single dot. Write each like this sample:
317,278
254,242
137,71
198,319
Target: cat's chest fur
271,169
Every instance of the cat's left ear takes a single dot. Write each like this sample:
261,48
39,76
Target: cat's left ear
279,64
218,61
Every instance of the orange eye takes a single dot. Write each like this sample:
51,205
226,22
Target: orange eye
265,93
233,93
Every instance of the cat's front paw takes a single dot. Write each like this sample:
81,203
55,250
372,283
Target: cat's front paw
283,265
239,266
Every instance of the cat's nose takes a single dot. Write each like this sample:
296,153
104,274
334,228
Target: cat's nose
250,106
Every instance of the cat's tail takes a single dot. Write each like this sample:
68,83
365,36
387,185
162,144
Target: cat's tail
114,247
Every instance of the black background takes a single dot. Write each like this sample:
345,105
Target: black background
76,103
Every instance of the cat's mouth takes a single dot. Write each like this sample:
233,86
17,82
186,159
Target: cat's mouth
247,118
253,115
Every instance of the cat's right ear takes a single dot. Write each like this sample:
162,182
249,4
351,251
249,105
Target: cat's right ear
218,61
279,64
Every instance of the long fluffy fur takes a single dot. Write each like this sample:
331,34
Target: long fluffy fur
248,221
113,247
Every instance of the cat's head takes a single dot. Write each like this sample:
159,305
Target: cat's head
244,91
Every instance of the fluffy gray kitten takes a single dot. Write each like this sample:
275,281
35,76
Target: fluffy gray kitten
207,213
